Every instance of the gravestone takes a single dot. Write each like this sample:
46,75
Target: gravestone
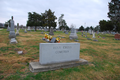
73,34
12,31
28,29
51,31
93,35
45,29
54,56
82,33
90,31
8,28
17,29
95,40
25,30
66,32
86,35
53,40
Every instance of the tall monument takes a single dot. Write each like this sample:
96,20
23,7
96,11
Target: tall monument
12,31
12,35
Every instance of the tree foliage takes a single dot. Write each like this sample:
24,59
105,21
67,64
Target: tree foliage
44,19
81,28
62,23
114,13
106,25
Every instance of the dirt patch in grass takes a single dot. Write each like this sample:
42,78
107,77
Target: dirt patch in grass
3,45
88,58
15,59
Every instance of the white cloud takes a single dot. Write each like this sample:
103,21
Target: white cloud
75,12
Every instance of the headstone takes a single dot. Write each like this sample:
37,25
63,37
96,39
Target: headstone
54,30
90,31
93,35
17,29
25,30
20,52
86,35
51,31
45,29
53,40
95,40
88,39
8,28
66,32
12,31
117,36
54,56
73,34
82,33
28,29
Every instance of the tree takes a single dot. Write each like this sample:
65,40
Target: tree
106,25
91,28
49,19
81,28
97,28
62,23
34,19
87,28
114,13
6,23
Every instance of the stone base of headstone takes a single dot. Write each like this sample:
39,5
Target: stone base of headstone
17,34
37,67
13,41
25,31
88,39
95,40
12,34
42,32
50,33
73,36
76,40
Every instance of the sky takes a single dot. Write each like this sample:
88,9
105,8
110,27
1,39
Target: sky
76,12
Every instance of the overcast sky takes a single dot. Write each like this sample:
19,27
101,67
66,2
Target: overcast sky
77,12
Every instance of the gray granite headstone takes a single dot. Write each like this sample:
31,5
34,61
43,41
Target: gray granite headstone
53,40
73,34
25,30
93,35
8,28
12,31
51,31
28,29
17,29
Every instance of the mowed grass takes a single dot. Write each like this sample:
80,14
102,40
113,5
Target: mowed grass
103,57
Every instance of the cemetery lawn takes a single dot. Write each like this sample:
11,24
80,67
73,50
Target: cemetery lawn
103,57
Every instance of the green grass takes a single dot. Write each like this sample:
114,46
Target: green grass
103,57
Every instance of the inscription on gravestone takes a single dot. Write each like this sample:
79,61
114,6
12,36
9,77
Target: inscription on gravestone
58,52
